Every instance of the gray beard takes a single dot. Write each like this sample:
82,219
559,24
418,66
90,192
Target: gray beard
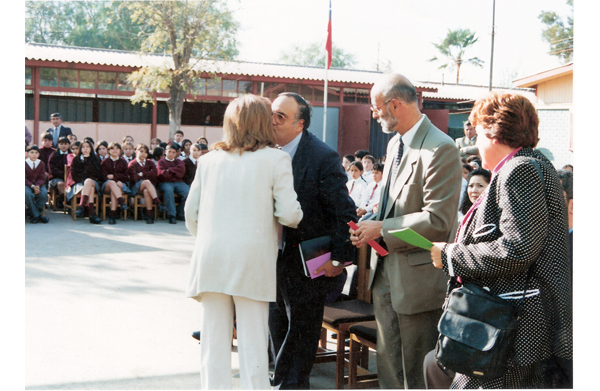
388,126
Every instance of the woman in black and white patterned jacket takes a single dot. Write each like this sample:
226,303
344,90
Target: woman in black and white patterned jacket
519,221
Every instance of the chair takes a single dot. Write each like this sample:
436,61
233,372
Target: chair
137,204
106,204
53,198
72,205
340,315
363,336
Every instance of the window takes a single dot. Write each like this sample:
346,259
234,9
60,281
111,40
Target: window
213,87
107,80
363,95
68,78
198,86
245,87
27,76
230,88
306,92
350,95
87,79
49,77
122,83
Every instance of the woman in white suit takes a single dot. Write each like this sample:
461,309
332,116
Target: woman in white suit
241,190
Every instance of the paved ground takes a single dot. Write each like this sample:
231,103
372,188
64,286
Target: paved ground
105,308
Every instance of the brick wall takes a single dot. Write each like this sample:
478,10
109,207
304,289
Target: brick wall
554,133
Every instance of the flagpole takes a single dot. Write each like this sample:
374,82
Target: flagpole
325,105
328,58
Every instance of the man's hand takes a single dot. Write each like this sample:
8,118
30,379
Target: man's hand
361,212
330,270
367,230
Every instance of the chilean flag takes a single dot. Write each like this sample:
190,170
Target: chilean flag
328,44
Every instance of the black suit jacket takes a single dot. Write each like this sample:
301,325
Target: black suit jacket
320,182
64,132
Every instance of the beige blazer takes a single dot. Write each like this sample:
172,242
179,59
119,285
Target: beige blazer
233,207
423,196
466,146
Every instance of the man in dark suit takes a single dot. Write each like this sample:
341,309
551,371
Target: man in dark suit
57,130
320,182
421,178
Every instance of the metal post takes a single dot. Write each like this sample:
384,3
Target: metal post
493,33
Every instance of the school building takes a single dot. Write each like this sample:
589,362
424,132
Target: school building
89,88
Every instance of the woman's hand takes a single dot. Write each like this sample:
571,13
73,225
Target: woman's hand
436,254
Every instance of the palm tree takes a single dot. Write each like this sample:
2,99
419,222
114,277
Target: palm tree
453,48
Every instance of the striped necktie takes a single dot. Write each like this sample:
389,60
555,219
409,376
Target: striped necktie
391,178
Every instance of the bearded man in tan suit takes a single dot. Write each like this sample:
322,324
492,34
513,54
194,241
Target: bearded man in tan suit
422,177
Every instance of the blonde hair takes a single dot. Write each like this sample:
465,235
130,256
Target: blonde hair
247,125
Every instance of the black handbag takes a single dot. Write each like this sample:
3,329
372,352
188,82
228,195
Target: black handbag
477,331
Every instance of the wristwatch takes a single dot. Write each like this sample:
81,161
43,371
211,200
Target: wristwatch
336,263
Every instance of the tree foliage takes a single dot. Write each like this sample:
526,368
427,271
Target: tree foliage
558,33
453,49
191,31
314,55
97,24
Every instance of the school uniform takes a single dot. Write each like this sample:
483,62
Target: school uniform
118,168
35,175
82,169
128,159
370,198
368,176
190,169
147,169
170,182
355,189
45,154
56,168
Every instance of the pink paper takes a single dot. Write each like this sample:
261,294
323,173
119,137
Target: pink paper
317,262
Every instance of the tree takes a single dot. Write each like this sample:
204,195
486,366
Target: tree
314,55
558,34
453,47
97,24
190,30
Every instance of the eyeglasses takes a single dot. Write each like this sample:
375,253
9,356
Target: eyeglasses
376,109
279,117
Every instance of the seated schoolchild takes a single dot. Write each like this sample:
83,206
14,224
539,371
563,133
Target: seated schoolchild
36,194
116,179
191,162
46,150
102,150
357,184
56,168
85,176
128,151
143,181
170,178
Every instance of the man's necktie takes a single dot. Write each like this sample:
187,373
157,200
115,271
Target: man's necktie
397,160
391,178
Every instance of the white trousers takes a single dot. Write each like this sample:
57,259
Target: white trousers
252,336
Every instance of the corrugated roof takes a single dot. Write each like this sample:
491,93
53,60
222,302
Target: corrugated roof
465,92
46,52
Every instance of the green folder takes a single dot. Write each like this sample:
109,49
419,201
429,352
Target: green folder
413,238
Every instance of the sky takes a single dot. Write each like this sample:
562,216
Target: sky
401,33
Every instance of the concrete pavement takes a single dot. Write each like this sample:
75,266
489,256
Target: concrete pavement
105,308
